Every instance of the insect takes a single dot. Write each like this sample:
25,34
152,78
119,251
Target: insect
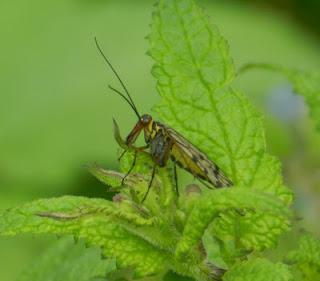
165,143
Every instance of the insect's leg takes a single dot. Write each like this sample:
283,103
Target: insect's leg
175,177
122,154
140,148
132,166
150,183
136,150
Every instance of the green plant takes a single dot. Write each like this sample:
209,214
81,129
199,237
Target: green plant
202,234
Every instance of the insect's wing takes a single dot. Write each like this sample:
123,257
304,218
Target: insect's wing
190,158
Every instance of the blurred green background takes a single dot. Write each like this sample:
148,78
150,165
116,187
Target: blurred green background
56,111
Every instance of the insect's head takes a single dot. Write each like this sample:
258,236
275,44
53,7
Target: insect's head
145,119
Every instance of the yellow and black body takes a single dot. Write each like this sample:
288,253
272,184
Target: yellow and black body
164,142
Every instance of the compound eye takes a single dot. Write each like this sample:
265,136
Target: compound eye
145,119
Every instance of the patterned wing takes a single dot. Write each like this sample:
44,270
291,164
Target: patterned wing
190,158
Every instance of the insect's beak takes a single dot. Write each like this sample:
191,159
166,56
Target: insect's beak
131,138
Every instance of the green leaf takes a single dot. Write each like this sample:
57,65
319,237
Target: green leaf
183,39
114,180
92,220
108,177
214,203
258,270
68,261
126,236
254,231
306,258
194,71
306,84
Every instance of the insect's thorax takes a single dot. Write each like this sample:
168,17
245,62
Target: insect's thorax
150,131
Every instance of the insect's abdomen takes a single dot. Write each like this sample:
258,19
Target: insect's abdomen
186,163
200,169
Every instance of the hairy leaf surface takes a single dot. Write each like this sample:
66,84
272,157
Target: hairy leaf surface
259,270
221,200
306,258
89,219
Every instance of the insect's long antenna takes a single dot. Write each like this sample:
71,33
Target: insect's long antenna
127,100
130,101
